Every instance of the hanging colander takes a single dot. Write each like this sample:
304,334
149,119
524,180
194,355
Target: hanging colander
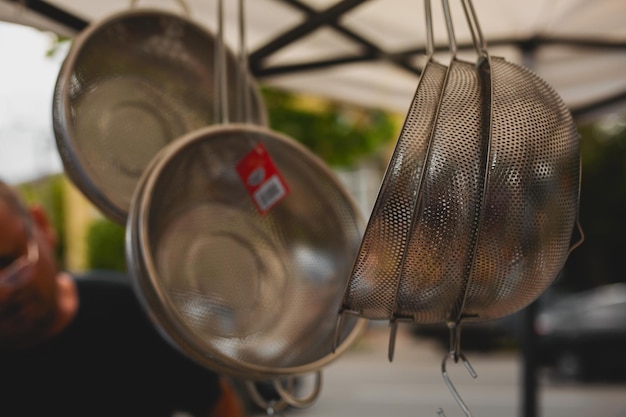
244,280
132,83
494,196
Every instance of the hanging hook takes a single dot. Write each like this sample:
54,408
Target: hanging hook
455,354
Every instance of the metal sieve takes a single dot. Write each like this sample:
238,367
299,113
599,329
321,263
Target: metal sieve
249,291
378,266
494,199
131,84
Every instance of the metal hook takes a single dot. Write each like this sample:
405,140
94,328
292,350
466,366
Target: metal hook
454,354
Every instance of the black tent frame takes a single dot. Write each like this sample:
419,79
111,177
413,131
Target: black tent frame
369,50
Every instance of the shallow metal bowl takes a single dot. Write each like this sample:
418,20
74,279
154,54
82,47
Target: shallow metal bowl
252,292
131,84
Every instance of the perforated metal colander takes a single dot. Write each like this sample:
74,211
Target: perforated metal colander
131,84
489,204
252,293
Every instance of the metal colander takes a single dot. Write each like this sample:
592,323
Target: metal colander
475,215
131,84
252,293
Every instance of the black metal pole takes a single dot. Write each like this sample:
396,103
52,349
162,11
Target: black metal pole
528,339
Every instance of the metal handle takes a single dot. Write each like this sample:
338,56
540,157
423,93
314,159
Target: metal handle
302,402
450,28
271,406
430,38
455,354
220,78
477,35
243,96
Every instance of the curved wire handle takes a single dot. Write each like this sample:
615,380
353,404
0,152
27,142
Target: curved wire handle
454,354
300,402
271,406
579,227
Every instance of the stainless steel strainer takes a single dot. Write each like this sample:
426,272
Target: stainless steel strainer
250,292
132,83
378,267
490,208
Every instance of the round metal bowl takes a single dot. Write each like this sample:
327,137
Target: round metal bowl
252,293
131,84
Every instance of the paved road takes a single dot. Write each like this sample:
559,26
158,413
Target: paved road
362,383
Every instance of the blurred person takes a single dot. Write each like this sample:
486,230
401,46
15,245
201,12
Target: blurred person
83,345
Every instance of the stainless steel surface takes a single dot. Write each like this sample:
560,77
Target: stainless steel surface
131,84
253,295
375,278
489,202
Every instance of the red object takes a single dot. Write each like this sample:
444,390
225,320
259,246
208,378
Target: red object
262,179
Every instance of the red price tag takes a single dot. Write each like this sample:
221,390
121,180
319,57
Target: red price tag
262,180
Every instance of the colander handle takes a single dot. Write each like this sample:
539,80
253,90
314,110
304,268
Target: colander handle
581,233
430,37
271,406
477,35
297,402
182,3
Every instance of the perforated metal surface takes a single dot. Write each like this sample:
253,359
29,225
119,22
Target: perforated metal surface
255,295
131,84
494,204
445,219
531,199
372,288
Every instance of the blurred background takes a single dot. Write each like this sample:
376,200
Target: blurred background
578,328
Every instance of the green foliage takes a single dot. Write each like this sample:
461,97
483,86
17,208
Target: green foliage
105,246
340,134
56,44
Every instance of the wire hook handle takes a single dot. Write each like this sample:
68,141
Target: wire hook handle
455,354
451,387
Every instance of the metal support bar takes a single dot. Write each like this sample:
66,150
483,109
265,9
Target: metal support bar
370,49
311,24
54,13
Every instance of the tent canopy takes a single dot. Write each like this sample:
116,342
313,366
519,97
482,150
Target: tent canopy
371,51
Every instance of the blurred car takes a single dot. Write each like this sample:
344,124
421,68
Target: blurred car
583,335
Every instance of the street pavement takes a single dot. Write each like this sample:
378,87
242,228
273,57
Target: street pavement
363,383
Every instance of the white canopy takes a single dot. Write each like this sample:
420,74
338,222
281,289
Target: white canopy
370,52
